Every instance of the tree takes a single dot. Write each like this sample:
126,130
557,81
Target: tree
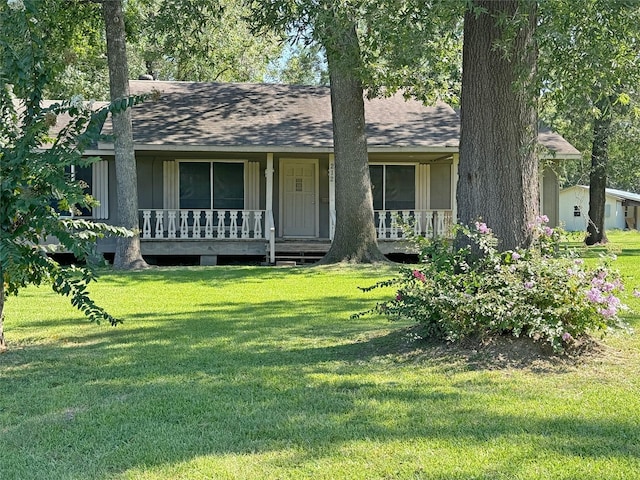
197,41
498,172
34,182
332,24
590,69
300,64
355,236
128,254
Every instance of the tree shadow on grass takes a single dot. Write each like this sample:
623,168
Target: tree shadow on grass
245,379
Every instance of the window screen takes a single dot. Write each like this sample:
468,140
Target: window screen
228,185
205,185
393,187
376,173
195,185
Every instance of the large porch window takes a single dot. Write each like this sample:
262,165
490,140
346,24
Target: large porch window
393,187
212,185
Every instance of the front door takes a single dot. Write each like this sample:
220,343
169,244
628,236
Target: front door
299,207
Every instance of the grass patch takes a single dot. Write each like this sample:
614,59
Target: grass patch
248,372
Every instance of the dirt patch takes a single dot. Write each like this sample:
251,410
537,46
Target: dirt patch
487,353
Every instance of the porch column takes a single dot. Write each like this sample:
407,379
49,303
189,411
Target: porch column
454,187
270,228
268,173
332,194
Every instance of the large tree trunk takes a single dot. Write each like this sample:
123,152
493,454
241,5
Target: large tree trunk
498,172
598,176
355,236
128,255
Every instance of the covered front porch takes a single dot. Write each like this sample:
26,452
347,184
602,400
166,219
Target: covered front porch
289,208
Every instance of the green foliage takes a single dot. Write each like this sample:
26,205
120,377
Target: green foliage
406,45
302,65
544,292
197,41
589,67
35,189
38,146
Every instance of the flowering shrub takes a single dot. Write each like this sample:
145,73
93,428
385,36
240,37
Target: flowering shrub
544,292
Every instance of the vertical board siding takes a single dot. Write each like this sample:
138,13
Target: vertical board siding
170,185
252,186
100,190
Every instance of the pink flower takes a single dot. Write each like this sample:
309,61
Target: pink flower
608,312
482,227
515,256
399,297
419,275
636,293
594,295
578,261
529,284
566,336
548,231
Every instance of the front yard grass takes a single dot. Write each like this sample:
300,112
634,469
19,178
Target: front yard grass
258,373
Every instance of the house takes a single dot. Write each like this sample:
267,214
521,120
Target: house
621,209
248,169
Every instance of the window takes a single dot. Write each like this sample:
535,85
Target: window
393,187
84,176
576,211
212,185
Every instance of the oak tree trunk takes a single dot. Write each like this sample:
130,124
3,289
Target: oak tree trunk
128,255
355,235
598,176
498,172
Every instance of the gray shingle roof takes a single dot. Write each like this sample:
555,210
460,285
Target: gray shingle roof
207,115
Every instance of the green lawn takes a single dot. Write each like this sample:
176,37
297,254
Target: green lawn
258,373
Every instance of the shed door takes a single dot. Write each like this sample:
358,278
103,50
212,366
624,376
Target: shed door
299,205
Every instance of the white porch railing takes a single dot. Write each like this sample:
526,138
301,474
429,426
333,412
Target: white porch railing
211,224
427,223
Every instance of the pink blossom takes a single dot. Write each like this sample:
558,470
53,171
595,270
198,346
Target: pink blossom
529,284
482,227
613,301
548,231
578,261
594,295
515,256
399,297
419,275
608,312
566,336
636,293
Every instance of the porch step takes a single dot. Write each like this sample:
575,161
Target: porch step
301,251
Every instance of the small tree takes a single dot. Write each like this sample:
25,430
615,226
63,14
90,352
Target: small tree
35,184
36,188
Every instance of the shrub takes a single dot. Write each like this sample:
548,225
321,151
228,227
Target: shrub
472,289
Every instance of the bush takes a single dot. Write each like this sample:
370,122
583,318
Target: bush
544,292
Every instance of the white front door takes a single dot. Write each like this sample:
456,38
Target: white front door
298,198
